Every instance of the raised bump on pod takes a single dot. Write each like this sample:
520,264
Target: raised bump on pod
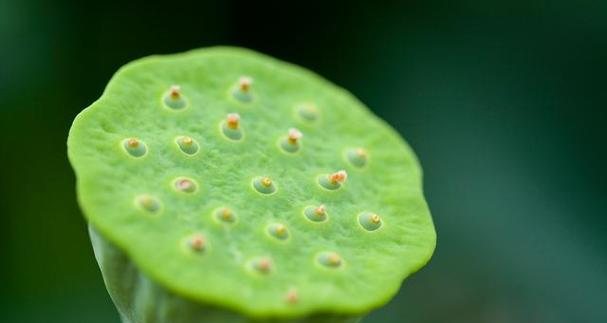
264,185
357,157
230,127
197,242
262,265
134,147
174,99
185,185
278,231
225,215
242,90
292,297
147,203
307,112
316,214
291,143
370,221
333,181
329,259
187,145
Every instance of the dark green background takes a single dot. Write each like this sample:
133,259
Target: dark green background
503,101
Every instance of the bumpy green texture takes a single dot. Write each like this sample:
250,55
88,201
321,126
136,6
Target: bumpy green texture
225,185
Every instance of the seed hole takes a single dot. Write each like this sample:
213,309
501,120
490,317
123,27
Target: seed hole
187,145
262,265
225,215
291,143
148,203
134,147
264,185
185,185
174,99
357,157
329,259
307,112
333,181
370,221
230,127
242,90
278,231
316,213
197,242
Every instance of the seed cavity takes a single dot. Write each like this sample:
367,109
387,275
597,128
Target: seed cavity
174,99
291,143
242,90
292,297
187,145
197,242
316,213
278,231
225,215
329,259
134,147
370,221
307,112
148,203
185,185
230,127
264,185
357,157
262,265
333,181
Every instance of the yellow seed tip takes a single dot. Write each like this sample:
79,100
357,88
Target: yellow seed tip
187,140
334,259
320,210
280,229
375,218
266,181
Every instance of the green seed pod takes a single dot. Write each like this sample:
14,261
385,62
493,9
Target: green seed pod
210,219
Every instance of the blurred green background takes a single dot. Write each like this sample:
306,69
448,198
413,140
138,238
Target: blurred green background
503,101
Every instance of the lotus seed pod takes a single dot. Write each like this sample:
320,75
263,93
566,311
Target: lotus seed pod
197,215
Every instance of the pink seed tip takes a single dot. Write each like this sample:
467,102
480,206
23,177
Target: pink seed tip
339,177
294,135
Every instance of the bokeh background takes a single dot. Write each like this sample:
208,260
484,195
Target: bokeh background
503,101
